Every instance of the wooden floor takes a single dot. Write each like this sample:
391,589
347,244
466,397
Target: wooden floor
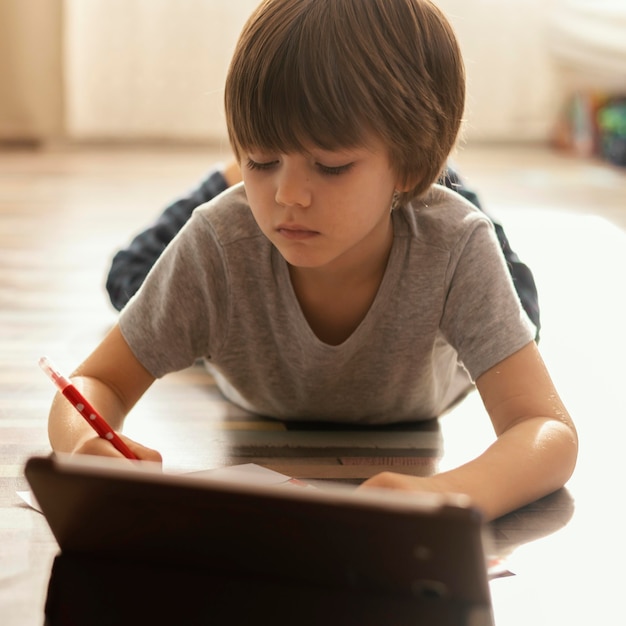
64,211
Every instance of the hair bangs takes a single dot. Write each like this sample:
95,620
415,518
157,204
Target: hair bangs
337,73
300,95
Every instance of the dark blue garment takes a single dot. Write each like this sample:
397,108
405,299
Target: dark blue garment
131,265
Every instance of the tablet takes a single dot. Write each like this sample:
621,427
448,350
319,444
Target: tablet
409,548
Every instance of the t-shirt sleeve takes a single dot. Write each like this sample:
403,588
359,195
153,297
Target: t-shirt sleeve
483,317
180,312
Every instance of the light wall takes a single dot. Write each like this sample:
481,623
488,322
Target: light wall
512,91
155,69
31,69
149,68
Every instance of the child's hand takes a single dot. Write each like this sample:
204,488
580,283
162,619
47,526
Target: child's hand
391,480
402,482
100,447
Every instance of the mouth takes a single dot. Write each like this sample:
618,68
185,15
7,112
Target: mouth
296,232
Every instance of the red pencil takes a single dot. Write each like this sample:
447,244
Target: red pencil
80,403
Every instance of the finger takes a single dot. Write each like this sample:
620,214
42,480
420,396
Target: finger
392,480
97,446
143,452
100,447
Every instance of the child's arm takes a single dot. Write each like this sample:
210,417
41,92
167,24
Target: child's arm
112,379
536,447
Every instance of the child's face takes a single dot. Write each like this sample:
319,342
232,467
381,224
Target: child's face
320,208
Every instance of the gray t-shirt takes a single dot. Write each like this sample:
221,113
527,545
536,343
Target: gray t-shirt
446,310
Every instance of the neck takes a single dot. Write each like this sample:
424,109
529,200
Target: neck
335,299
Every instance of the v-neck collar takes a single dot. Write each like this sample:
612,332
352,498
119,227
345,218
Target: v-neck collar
387,284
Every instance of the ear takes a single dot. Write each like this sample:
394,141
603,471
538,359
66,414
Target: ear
404,185
403,188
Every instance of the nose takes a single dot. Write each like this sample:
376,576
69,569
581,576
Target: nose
293,185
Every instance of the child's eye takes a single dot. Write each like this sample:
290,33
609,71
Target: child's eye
254,165
334,171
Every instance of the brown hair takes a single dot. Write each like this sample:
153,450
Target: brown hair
331,72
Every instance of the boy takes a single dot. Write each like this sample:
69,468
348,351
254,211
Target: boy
338,283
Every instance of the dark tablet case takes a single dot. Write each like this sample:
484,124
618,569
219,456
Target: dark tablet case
230,552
